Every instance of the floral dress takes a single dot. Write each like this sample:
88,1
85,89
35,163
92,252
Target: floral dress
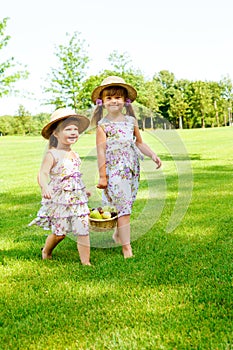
67,210
122,164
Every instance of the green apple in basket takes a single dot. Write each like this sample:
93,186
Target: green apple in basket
103,213
95,214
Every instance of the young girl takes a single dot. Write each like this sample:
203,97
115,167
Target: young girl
64,204
119,148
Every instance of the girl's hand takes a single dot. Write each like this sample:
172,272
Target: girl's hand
46,193
102,183
157,161
88,194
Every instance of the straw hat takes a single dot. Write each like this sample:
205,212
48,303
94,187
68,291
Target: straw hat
113,81
64,113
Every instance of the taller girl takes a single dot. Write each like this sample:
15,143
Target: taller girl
119,147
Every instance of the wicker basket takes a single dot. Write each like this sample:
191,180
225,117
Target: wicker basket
102,225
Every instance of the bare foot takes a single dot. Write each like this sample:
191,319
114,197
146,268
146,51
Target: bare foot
45,256
127,251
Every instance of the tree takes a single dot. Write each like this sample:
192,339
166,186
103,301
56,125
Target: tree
65,82
165,83
23,121
227,93
217,102
154,95
121,62
7,74
177,108
200,103
88,86
181,102
122,65
166,79
6,125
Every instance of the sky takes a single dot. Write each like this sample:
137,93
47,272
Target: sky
192,39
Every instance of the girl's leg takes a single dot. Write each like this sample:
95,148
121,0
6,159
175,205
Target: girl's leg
123,232
115,236
83,245
50,243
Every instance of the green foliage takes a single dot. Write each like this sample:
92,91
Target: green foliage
88,86
8,74
176,293
65,82
23,124
180,103
121,62
192,104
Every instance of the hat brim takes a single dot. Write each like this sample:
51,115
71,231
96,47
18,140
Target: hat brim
132,93
83,123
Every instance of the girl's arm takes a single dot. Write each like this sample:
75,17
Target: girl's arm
144,148
101,157
43,175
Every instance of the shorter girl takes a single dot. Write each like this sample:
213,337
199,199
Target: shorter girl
64,204
119,148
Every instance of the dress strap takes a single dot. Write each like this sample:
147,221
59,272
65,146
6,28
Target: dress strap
54,153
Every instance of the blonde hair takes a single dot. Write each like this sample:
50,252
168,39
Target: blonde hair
111,91
59,126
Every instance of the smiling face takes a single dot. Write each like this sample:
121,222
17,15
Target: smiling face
114,99
67,133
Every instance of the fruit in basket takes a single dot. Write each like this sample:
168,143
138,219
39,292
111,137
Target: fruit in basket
100,210
106,215
95,214
103,213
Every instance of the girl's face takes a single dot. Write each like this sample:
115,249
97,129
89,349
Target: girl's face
114,99
67,136
114,104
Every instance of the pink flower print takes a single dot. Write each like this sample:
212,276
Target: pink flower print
122,132
110,131
108,128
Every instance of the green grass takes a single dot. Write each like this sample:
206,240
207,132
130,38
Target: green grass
176,293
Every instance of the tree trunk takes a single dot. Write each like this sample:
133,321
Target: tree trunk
203,120
217,118
143,124
216,113
180,123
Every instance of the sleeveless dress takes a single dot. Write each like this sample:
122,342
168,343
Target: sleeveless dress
67,210
122,164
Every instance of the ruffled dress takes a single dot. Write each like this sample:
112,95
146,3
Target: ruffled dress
67,210
122,164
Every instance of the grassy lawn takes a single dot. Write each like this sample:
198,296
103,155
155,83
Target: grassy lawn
176,293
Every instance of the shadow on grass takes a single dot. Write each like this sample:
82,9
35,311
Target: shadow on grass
175,293
159,201
201,249
180,157
177,279
177,286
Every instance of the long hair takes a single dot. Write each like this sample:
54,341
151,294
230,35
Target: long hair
111,91
59,126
